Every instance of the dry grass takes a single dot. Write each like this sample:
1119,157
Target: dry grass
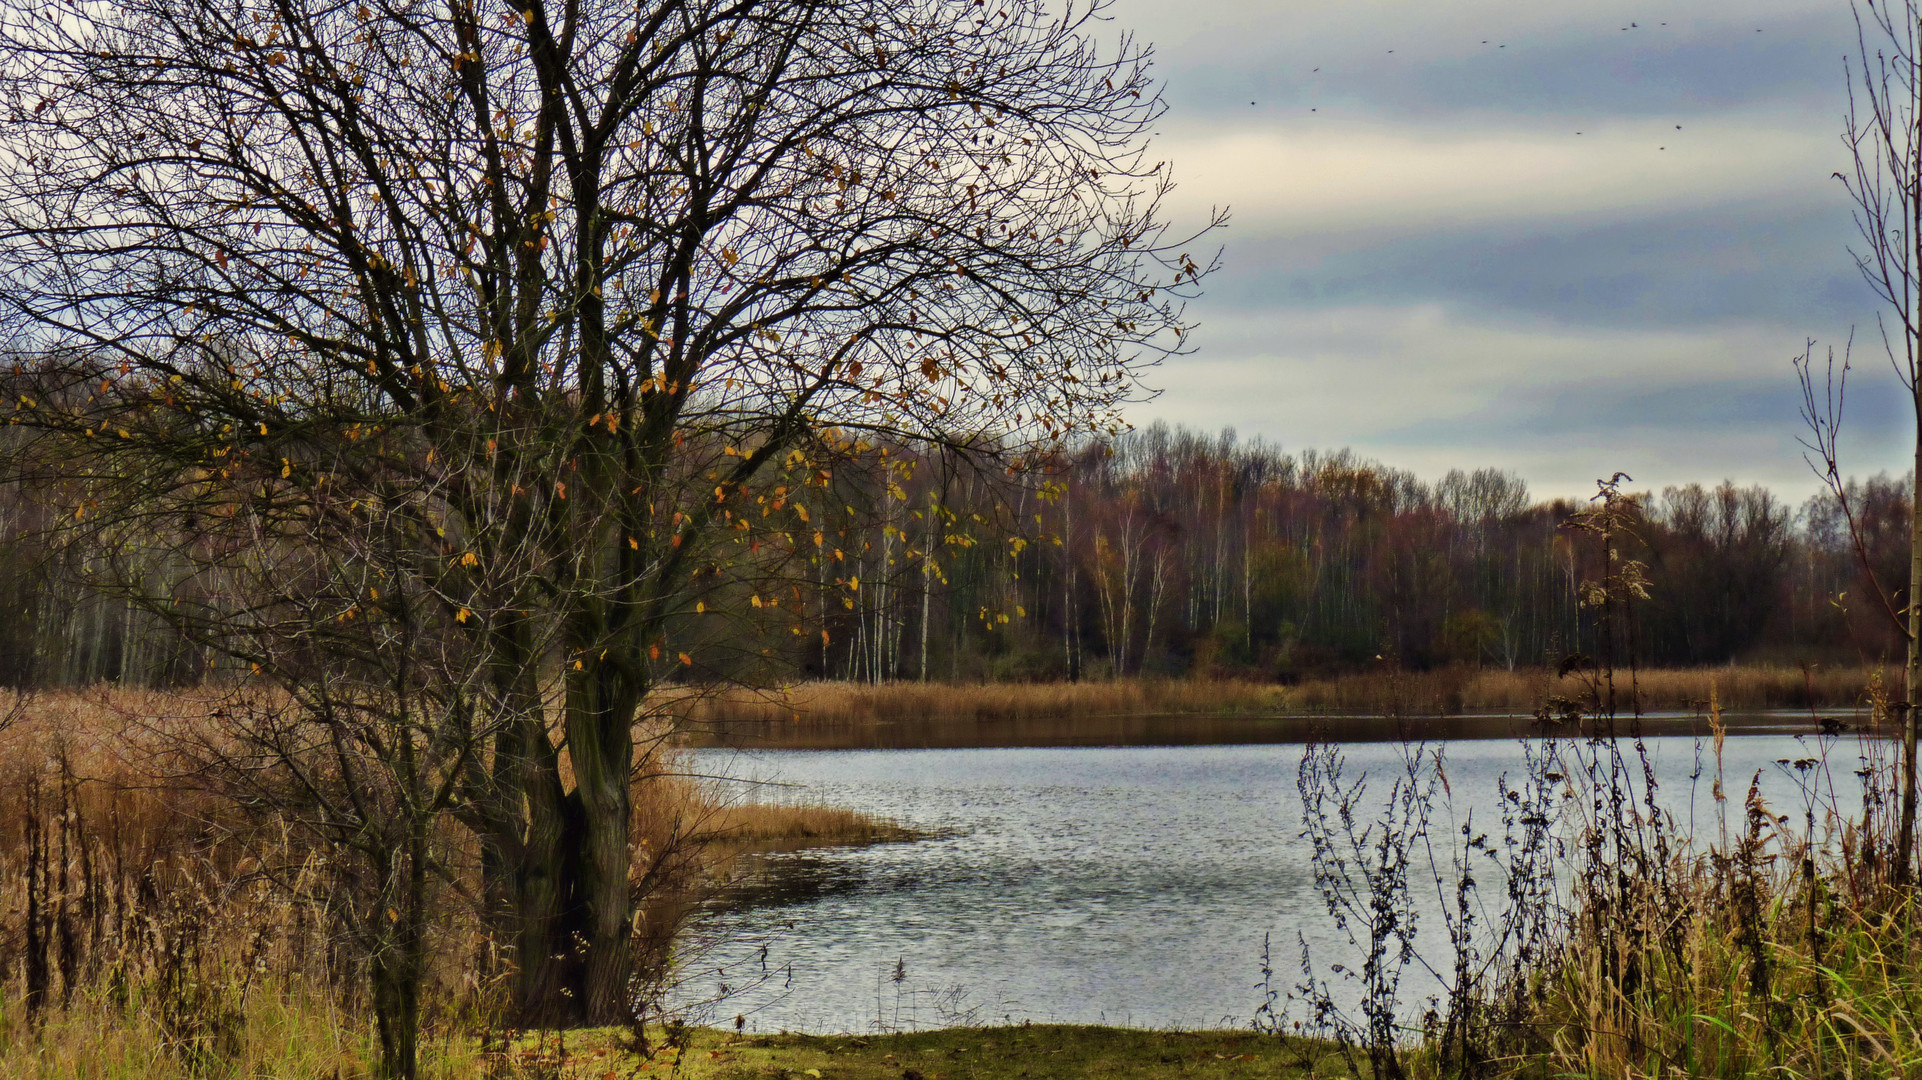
1447,691
856,703
135,927
1784,951
783,824
1686,690
288,1031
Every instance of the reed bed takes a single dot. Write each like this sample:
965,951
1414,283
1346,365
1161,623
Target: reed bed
1441,692
141,934
857,703
756,824
1607,940
1778,948
1450,691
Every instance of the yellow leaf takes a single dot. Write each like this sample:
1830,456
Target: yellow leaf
463,616
687,660
700,607
633,543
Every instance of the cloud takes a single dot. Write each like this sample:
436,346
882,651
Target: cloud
1355,184
1434,269
1425,388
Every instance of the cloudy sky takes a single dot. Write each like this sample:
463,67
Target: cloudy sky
1428,263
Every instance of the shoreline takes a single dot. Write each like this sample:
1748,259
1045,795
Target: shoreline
1188,729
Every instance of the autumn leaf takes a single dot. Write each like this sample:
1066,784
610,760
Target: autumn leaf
686,660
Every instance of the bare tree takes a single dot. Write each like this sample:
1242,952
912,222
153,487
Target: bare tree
1884,182
596,268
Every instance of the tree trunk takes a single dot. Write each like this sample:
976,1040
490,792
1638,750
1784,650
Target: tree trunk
546,909
927,585
397,1020
1912,671
398,963
600,746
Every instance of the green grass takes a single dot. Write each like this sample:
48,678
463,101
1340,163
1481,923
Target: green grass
301,1037
1022,1052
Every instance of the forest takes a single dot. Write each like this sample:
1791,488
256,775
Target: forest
1170,552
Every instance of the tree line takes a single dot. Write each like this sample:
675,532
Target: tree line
1166,552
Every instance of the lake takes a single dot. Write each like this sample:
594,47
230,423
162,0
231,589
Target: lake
1093,884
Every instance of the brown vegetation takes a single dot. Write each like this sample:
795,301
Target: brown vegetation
1444,691
135,902
857,702
1686,690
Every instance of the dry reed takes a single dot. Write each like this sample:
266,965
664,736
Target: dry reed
140,934
1444,691
1449,691
851,702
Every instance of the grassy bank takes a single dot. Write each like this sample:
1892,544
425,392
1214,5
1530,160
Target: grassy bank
1030,1051
299,1037
1449,691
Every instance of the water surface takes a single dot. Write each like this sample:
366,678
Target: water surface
1116,884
